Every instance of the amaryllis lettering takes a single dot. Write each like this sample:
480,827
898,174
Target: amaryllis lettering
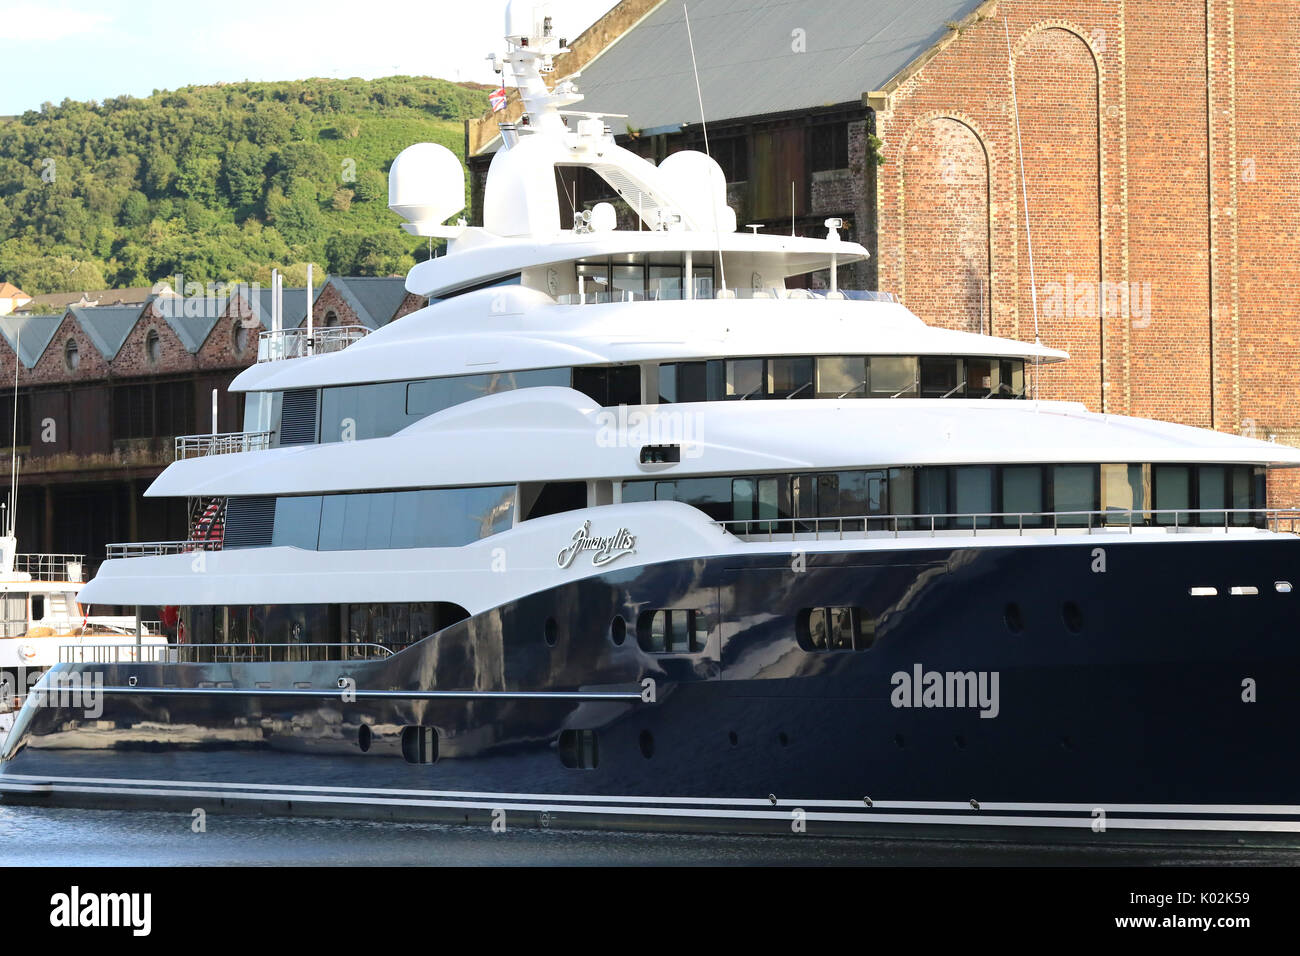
606,549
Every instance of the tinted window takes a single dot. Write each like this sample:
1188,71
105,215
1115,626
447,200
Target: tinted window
297,522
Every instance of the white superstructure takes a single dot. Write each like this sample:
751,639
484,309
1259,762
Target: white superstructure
570,370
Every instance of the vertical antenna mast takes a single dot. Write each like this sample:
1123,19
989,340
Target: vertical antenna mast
704,124
1024,187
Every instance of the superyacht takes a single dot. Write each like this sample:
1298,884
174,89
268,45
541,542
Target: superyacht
630,528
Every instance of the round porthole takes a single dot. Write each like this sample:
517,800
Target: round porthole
782,739
552,632
364,737
1014,619
647,744
1072,615
618,630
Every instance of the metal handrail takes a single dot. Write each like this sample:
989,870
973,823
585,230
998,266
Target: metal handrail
280,344
220,653
51,567
221,443
147,549
676,295
1033,521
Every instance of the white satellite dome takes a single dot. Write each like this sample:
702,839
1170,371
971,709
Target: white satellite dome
700,187
426,186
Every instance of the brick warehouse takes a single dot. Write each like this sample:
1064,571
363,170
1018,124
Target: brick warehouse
104,390
1161,171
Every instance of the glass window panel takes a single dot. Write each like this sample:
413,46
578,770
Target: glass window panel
818,632
900,491
742,499
939,377
702,281
665,282
1241,491
932,493
973,494
790,378
1022,491
333,509
379,528
665,491
667,383
842,377
297,522
769,498
876,490
893,376
638,490
356,521
692,382
679,639
841,628
699,631
710,495
829,504
630,280
979,378
658,642
805,496
745,378
406,520
1173,490
1211,492
1074,489
1121,492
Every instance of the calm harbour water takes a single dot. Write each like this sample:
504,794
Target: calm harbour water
35,836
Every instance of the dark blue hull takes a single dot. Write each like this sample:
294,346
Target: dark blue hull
1125,706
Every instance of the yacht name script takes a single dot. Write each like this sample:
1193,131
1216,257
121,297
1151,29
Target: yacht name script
607,549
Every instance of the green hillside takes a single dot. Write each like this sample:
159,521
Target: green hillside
220,183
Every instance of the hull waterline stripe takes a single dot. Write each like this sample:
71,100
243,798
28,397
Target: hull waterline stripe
973,819
629,696
290,790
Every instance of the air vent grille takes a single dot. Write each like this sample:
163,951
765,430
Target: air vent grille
298,417
249,522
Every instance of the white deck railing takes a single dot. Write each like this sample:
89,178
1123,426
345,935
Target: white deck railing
222,443
1171,520
51,567
596,296
295,343
148,549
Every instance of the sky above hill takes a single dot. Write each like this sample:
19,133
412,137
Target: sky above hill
92,50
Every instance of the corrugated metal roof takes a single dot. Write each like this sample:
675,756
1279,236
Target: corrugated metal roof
191,318
748,66
37,331
107,326
375,299
295,306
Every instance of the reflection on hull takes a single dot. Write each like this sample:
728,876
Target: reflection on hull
1122,711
